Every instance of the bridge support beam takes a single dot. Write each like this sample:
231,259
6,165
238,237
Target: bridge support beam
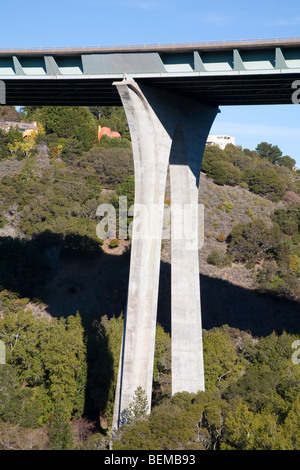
165,129
186,329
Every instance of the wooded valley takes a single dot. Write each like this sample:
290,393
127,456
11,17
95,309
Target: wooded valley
63,294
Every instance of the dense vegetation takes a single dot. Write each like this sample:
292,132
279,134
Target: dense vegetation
255,170
251,402
270,245
63,197
251,399
58,384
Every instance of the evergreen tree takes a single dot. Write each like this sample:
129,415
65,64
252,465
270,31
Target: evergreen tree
138,407
60,431
269,151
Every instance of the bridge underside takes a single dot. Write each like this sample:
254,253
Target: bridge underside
248,89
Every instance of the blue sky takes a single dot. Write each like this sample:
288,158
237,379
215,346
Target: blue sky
96,22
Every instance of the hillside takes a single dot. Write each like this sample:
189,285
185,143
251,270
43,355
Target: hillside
55,185
219,221
85,275
63,293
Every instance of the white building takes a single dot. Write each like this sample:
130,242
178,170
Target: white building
220,140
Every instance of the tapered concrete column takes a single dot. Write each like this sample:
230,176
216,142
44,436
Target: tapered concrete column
151,149
159,122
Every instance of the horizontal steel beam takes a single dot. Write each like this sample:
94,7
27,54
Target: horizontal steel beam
224,73
218,60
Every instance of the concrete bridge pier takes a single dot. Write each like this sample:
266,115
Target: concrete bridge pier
164,129
186,328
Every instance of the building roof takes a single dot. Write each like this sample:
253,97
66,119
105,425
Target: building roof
23,125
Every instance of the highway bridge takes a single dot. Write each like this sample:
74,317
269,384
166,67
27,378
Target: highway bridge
221,73
171,95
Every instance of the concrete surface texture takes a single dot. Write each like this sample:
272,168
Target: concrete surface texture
166,130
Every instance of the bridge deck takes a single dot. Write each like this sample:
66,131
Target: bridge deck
222,73
171,47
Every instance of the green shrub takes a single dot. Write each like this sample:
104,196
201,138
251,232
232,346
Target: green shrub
266,182
253,241
60,431
225,173
108,142
49,358
221,237
249,213
296,238
74,122
114,243
3,221
219,258
18,405
277,279
220,359
288,219
228,206
112,165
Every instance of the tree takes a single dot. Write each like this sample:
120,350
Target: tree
225,173
291,425
274,350
13,137
113,117
245,430
18,405
279,279
68,122
257,388
288,219
48,355
106,344
112,165
253,241
162,355
269,151
267,182
138,407
286,161
60,431
108,142
219,258
220,165
220,359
